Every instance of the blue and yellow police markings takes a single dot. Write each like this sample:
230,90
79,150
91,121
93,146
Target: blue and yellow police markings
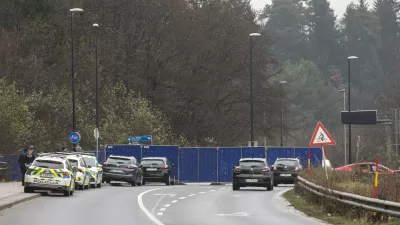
55,172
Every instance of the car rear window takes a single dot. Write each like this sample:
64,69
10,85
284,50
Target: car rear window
90,161
287,162
48,164
118,160
152,162
250,163
73,162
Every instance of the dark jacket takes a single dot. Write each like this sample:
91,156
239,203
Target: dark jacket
21,160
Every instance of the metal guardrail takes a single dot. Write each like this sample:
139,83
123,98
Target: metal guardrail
375,205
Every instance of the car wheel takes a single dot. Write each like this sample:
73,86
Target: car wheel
235,187
140,181
270,186
99,185
108,181
168,181
67,193
143,182
173,181
28,190
275,184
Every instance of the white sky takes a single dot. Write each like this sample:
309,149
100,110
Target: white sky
338,5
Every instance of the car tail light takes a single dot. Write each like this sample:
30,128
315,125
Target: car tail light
164,167
132,167
266,169
237,169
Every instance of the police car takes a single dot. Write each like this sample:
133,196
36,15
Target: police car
82,178
50,173
95,169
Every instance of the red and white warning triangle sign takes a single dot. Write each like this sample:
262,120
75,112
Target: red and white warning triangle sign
321,137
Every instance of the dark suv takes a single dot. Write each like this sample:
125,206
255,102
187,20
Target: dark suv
252,172
158,169
122,168
286,170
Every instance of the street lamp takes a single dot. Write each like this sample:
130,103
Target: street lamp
349,106
73,73
251,86
97,133
344,127
282,82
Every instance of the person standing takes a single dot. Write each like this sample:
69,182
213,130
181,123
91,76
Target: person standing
21,161
28,160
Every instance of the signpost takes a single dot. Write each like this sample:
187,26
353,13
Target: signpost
321,137
96,134
74,137
146,140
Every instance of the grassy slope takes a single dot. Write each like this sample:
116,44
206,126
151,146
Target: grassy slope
318,212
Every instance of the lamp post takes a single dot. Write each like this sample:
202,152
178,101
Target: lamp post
97,132
344,127
73,73
282,82
251,87
349,106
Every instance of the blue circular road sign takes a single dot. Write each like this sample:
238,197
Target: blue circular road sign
74,137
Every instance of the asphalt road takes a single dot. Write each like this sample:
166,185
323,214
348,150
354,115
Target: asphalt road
158,205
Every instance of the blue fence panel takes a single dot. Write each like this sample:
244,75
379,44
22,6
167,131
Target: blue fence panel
207,164
171,152
124,150
189,164
276,152
253,152
227,159
315,156
13,172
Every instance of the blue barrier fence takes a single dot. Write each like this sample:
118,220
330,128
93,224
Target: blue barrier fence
198,164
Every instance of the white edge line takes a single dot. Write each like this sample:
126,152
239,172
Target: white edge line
212,190
192,195
160,214
143,208
201,192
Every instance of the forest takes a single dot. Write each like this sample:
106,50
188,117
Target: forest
179,70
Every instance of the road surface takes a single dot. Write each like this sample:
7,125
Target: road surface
158,205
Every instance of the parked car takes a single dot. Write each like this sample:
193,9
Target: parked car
50,173
95,169
286,170
83,174
124,169
366,167
252,172
158,169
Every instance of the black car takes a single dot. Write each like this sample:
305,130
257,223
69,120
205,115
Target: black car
158,169
252,172
286,170
122,168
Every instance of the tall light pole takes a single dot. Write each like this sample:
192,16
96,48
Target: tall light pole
282,82
97,133
73,73
349,88
344,127
251,87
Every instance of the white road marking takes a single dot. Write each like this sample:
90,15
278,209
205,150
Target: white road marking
182,197
212,190
235,214
143,208
159,214
162,209
174,201
222,188
192,195
201,192
167,205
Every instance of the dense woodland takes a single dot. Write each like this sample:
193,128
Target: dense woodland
179,70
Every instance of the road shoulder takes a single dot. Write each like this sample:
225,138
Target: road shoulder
12,193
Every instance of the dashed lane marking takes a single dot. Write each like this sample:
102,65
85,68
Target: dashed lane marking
162,209
182,197
174,201
191,195
143,208
167,205
159,214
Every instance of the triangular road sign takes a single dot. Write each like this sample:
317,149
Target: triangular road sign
321,136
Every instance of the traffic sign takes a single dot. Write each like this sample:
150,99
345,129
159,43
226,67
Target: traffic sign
321,137
140,139
74,137
96,133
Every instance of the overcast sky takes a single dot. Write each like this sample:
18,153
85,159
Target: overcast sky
338,5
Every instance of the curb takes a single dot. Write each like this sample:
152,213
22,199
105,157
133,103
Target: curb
16,199
217,183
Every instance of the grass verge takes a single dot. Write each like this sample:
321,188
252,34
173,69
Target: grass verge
302,204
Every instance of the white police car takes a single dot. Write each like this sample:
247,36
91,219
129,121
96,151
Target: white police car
50,173
95,169
82,178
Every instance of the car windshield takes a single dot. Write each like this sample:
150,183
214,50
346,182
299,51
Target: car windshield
73,162
251,163
153,162
117,160
48,164
90,161
286,162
